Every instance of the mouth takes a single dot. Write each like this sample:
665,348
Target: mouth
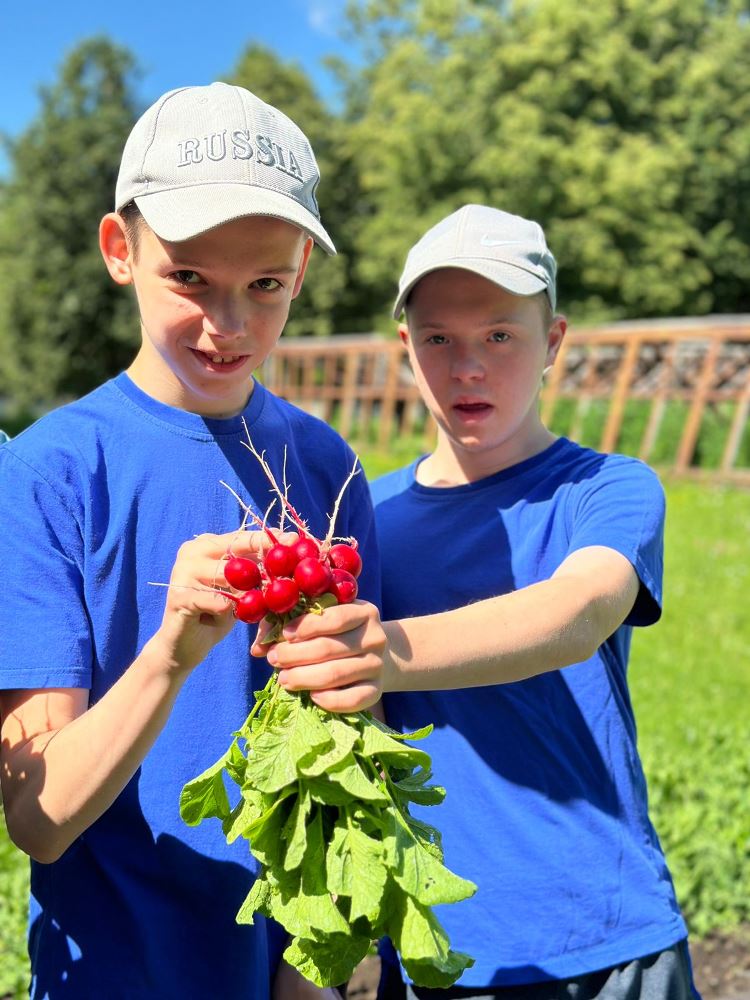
221,362
472,408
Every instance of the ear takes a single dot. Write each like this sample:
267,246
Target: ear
115,250
304,261
403,332
555,336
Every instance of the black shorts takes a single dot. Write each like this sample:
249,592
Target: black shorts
665,975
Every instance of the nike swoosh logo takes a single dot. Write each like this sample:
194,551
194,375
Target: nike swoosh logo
486,241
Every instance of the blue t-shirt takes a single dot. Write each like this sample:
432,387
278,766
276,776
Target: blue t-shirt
96,498
546,799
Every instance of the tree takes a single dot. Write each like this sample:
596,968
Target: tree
64,327
329,302
623,127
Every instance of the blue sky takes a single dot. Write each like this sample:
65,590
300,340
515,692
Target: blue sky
187,42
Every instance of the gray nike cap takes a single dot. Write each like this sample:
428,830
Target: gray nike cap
203,156
506,249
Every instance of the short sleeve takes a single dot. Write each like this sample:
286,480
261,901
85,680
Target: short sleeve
622,507
45,636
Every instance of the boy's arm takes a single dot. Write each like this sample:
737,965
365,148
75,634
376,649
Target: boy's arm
63,763
545,626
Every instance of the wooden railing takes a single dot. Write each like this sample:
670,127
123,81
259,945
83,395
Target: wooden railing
676,393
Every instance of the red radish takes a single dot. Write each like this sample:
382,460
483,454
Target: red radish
313,577
306,548
281,594
344,586
280,560
251,607
242,574
345,557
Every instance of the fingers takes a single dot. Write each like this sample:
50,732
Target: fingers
337,656
346,631
353,698
207,554
196,600
259,648
337,672
254,543
341,621
198,568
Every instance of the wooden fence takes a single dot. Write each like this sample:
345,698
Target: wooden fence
676,393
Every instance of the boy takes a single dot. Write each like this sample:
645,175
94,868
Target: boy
104,716
534,734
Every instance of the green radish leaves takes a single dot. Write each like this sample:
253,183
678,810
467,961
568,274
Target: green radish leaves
324,804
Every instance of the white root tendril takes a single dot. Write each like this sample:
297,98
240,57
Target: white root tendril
189,586
288,513
249,514
356,469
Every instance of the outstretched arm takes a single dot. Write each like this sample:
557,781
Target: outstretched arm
63,762
548,625
545,626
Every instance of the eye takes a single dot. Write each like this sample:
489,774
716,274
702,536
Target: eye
267,284
499,336
186,277
436,338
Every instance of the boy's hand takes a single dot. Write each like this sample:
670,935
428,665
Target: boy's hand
196,618
337,655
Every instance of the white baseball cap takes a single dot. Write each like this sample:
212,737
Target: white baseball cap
203,156
506,249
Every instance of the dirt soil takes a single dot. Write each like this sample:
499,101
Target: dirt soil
721,964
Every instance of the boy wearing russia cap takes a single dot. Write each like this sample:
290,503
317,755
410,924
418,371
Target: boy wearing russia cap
104,714
515,564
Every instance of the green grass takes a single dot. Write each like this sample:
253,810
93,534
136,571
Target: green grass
691,690
584,421
14,890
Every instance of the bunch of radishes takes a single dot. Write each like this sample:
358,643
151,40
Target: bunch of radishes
294,576
305,575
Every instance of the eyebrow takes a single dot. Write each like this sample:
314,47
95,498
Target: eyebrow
497,321
186,264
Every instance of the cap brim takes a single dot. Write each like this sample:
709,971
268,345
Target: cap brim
512,278
183,213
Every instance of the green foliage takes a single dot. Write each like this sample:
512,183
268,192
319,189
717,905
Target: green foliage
584,421
691,689
622,127
64,327
14,895
324,805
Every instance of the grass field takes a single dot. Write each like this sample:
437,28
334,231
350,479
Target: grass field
690,681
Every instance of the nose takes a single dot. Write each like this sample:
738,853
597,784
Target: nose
467,367
225,319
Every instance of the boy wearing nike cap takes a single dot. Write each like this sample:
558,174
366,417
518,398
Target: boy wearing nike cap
104,714
515,564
